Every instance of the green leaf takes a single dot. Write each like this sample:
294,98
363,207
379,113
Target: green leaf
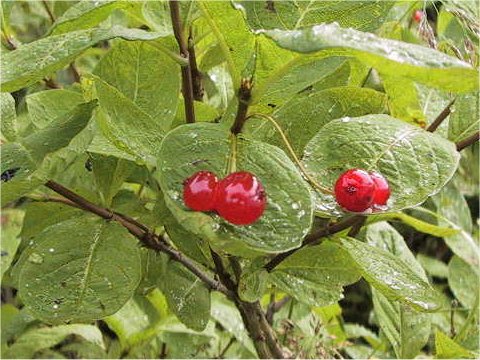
288,215
134,322
227,315
110,174
447,348
81,269
31,62
232,34
60,132
253,280
40,215
8,116
316,275
43,338
45,106
290,77
289,15
415,163
453,211
18,162
126,125
157,15
301,117
391,276
136,69
390,57
464,281
403,99
433,266
406,329
11,225
465,119
186,295
86,14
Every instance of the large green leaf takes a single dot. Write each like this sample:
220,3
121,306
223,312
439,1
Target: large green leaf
60,131
86,14
288,216
391,276
81,269
316,275
465,119
45,106
227,315
43,338
289,15
145,75
406,329
187,296
464,281
135,321
453,211
126,125
302,116
416,163
8,116
110,173
390,57
31,62
403,99
235,39
447,348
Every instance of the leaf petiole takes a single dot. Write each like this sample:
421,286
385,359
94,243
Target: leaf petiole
292,152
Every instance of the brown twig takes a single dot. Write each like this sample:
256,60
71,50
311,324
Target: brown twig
147,238
225,349
462,144
244,95
274,307
187,84
441,117
313,239
49,12
52,84
197,77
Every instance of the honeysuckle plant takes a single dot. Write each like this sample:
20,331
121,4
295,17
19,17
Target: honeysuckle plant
243,179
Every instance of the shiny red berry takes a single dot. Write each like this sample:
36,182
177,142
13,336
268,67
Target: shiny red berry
354,190
418,15
199,191
382,190
241,198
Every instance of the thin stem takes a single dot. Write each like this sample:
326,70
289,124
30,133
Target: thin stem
49,12
441,117
275,307
244,95
225,349
187,87
313,239
468,141
292,152
148,238
197,77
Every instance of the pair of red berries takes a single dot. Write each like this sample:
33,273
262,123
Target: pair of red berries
357,190
239,198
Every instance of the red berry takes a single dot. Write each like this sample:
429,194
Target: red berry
418,15
199,191
382,190
241,198
354,190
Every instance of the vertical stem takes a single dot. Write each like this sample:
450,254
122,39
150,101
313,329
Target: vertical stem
187,87
196,74
244,95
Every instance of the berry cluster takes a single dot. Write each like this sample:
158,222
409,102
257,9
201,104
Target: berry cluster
239,198
357,190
